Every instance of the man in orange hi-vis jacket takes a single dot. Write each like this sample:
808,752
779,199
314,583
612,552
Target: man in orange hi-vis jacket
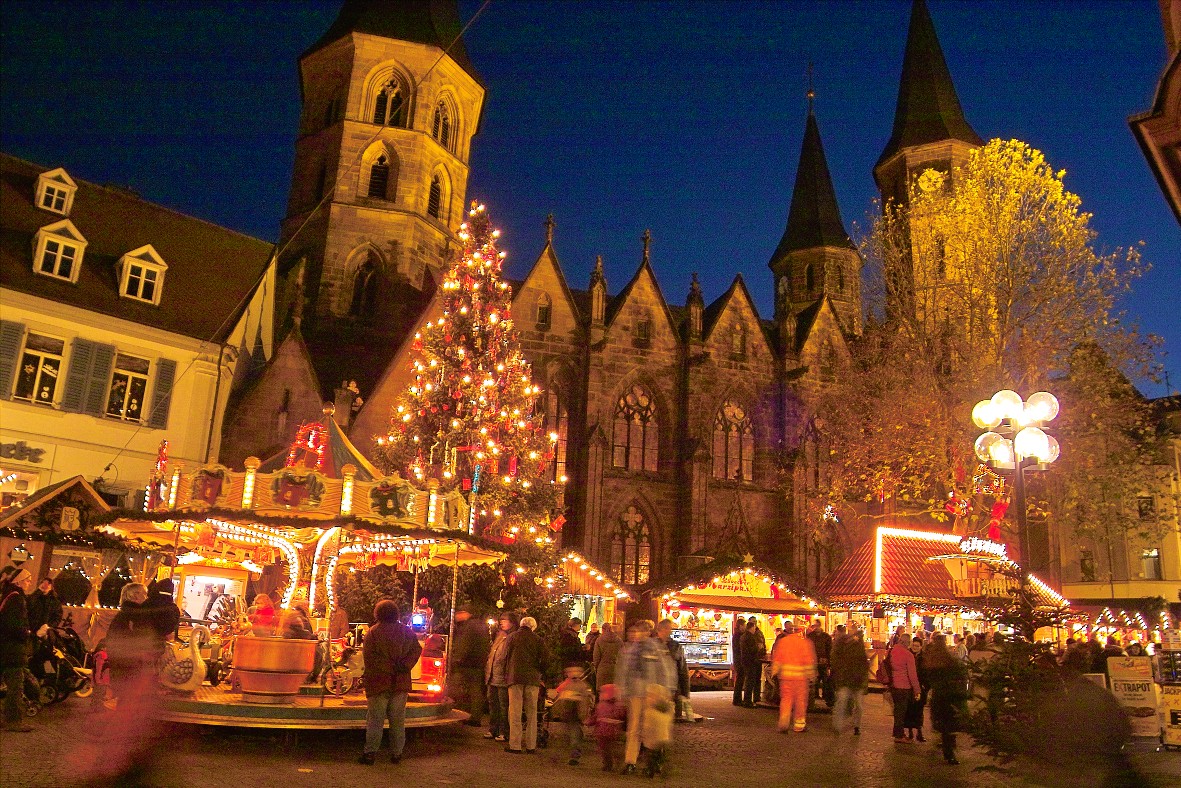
794,661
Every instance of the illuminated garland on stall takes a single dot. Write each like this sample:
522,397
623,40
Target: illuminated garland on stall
261,534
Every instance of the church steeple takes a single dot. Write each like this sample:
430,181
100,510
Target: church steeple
815,256
930,130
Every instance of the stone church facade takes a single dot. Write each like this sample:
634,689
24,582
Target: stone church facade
683,426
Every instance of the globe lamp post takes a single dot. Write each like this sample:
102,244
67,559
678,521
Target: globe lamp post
1015,441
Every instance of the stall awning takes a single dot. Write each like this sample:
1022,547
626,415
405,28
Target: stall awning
584,579
748,588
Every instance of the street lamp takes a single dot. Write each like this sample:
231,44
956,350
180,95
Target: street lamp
1015,441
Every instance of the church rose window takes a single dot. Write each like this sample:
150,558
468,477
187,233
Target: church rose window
631,549
734,444
635,434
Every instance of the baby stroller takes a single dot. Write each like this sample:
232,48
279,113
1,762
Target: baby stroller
545,715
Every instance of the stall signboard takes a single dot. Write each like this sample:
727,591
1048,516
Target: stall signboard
1171,640
1133,687
1170,713
745,584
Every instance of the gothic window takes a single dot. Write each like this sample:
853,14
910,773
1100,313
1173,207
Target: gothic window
738,342
434,203
631,549
441,130
544,312
379,177
840,280
734,444
828,362
389,108
809,278
364,289
643,332
557,422
635,435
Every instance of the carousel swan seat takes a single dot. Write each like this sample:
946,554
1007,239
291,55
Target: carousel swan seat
271,669
182,669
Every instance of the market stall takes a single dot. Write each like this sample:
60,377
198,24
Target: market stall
1128,620
929,580
705,609
594,598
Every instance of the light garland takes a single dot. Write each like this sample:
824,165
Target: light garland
323,540
261,534
584,565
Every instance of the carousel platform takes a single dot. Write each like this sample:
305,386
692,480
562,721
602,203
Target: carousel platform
221,706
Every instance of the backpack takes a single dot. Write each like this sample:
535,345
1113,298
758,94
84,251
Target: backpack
885,672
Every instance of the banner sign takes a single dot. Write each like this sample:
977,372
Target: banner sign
1133,687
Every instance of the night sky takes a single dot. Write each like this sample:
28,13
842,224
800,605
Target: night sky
685,118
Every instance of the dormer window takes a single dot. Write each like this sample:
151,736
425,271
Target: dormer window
55,191
544,312
643,332
58,249
141,274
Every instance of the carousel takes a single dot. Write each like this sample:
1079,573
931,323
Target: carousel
285,527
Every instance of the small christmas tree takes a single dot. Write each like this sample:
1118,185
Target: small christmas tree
468,419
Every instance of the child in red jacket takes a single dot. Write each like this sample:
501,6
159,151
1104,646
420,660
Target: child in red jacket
607,721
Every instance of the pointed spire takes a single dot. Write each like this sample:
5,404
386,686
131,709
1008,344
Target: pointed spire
814,219
695,296
431,22
597,276
928,108
647,239
549,230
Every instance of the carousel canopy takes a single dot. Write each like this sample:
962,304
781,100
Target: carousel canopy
323,446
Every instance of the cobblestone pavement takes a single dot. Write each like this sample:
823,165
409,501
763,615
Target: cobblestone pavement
732,747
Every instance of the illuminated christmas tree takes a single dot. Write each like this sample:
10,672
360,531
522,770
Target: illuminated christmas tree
468,418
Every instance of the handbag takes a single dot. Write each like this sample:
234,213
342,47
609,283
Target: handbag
657,724
885,672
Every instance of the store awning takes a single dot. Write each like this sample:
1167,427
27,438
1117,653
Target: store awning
746,588
582,578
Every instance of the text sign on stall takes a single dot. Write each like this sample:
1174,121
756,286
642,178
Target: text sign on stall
1133,687
743,585
1170,697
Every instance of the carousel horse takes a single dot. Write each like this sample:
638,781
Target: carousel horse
181,667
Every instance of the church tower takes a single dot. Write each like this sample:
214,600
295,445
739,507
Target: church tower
390,105
815,258
930,131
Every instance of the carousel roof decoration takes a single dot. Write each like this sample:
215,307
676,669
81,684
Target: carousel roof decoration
582,578
323,447
746,583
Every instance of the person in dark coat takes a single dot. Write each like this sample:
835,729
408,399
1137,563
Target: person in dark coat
739,667
664,631
14,642
914,711
165,613
391,651
469,656
947,678
571,652
133,643
1112,649
849,666
524,661
496,677
754,650
45,608
591,636
822,642
606,655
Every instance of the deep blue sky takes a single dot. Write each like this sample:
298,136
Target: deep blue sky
685,118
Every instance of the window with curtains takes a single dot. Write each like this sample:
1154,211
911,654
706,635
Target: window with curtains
635,436
734,444
631,549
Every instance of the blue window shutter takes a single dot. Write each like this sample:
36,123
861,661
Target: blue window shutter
99,380
78,374
11,336
162,393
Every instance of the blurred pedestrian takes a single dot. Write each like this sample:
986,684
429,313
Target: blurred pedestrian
263,619
646,680
850,678
948,678
573,706
607,722
15,584
592,635
676,652
469,656
165,614
296,622
606,655
822,642
391,651
524,664
496,677
570,648
794,662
